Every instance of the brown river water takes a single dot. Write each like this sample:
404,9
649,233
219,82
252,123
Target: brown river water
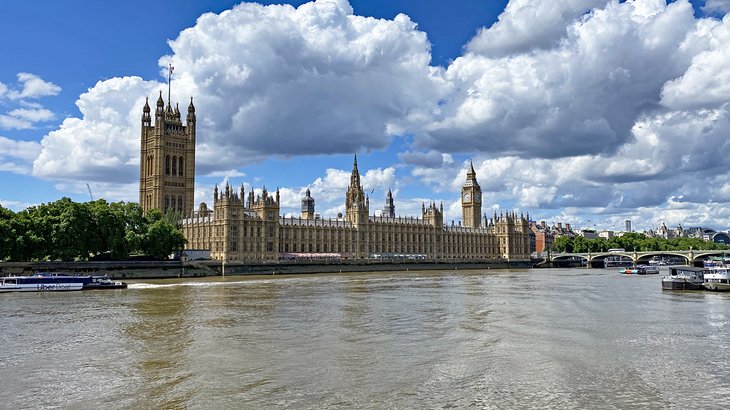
550,338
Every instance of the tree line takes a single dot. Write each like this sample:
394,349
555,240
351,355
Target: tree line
632,242
70,231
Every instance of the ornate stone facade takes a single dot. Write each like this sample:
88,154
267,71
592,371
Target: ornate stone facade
243,226
167,159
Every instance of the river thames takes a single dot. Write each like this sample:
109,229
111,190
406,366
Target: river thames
550,338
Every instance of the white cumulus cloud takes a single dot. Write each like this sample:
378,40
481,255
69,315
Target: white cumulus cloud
104,144
581,97
17,156
32,87
527,25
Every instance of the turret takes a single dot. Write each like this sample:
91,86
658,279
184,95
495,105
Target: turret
307,206
146,117
389,209
191,112
432,215
160,106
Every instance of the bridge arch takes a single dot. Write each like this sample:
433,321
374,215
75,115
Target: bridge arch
689,256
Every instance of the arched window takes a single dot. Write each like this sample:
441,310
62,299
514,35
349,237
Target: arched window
174,165
167,165
179,203
180,168
167,202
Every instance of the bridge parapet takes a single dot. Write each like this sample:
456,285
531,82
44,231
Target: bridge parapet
690,256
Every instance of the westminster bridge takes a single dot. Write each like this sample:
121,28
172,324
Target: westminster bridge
690,256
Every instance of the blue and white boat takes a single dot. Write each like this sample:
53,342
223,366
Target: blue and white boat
639,270
56,282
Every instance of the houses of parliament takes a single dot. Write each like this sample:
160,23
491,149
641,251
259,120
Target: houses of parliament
243,226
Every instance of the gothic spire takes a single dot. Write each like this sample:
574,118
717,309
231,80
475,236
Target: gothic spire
160,102
471,174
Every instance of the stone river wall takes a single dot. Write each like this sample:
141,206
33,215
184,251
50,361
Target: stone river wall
177,269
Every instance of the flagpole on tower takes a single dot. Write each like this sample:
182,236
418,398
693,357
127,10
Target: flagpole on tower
170,69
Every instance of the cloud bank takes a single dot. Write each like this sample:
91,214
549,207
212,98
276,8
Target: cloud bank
574,107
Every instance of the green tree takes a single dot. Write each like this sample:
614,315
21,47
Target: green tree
109,221
7,233
599,245
73,232
563,244
66,230
581,244
162,239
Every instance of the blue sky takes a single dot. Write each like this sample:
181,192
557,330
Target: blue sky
588,112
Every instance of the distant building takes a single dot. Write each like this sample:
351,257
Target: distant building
588,233
628,225
543,236
558,230
706,234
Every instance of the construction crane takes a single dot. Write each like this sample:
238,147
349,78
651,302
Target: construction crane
90,194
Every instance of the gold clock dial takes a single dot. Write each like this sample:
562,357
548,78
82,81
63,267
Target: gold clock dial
467,196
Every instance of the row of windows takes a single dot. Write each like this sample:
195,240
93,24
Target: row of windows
173,165
171,203
177,165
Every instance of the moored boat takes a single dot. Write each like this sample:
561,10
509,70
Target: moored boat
658,261
56,282
717,278
639,270
684,278
617,261
104,282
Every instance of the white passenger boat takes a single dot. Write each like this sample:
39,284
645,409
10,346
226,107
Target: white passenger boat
55,282
717,278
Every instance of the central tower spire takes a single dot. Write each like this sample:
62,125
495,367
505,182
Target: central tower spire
356,203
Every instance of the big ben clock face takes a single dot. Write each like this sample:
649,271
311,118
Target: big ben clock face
467,196
477,197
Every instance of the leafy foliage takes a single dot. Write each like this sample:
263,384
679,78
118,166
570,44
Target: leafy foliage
67,230
632,242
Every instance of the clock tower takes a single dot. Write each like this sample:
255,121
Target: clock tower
471,200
